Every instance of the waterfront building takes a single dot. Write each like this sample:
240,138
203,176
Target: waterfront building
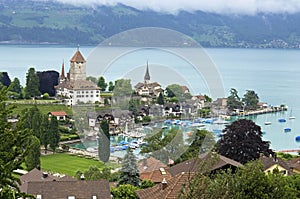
74,88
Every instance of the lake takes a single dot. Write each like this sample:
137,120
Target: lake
274,74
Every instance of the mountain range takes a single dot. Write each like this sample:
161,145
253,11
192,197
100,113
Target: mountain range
51,22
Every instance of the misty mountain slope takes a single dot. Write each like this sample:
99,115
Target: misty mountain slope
52,22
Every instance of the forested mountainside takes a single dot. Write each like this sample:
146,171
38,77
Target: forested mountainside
50,22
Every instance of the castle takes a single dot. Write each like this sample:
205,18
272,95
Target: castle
74,88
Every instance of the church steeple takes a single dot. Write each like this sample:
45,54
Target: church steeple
62,74
147,75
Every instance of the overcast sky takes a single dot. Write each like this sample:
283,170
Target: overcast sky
216,6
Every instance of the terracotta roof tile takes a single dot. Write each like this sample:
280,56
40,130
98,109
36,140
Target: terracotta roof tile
77,57
171,191
58,113
150,164
295,164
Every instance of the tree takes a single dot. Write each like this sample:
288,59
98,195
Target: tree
104,141
247,182
242,141
146,184
53,133
175,90
165,145
92,79
160,99
126,191
16,87
250,100
44,133
233,100
32,84
202,142
111,86
101,83
31,119
13,149
32,159
129,171
122,88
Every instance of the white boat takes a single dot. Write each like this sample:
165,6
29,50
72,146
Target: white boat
291,116
268,123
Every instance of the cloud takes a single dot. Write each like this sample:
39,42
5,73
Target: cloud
249,7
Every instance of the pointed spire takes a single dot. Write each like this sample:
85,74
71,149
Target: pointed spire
147,75
62,74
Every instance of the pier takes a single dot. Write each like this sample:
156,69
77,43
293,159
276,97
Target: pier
262,111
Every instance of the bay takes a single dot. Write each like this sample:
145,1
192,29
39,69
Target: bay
273,73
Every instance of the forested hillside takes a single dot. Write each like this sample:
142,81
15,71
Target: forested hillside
31,22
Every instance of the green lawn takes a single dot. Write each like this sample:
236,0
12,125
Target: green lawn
44,108
68,164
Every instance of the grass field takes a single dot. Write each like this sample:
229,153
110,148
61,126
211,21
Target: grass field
44,108
68,164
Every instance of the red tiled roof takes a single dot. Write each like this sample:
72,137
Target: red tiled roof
156,176
171,191
77,57
58,113
150,164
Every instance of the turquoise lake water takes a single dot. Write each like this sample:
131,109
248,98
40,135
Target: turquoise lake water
273,73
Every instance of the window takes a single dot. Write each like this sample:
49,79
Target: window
71,197
86,92
94,197
38,196
86,96
92,96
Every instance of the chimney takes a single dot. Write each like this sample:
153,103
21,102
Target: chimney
45,175
164,184
82,177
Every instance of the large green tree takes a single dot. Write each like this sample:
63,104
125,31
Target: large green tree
104,141
32,159
32,84
165,145
44,133
175,90
247,182
122,88
242,141
160,99
102,84
250,100
126,191
129,171
14,146
233,100
201,142
54,136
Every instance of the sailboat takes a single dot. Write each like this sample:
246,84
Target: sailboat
267,122
291,116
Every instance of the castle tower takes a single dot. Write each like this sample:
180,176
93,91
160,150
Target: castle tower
147,75
77,67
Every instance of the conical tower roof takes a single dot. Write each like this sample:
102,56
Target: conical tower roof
147,75
62,74
77,57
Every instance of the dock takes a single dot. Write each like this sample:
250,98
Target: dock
262,111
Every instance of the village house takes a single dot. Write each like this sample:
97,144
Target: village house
60,115
43,185
74,88
148,89
272,164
